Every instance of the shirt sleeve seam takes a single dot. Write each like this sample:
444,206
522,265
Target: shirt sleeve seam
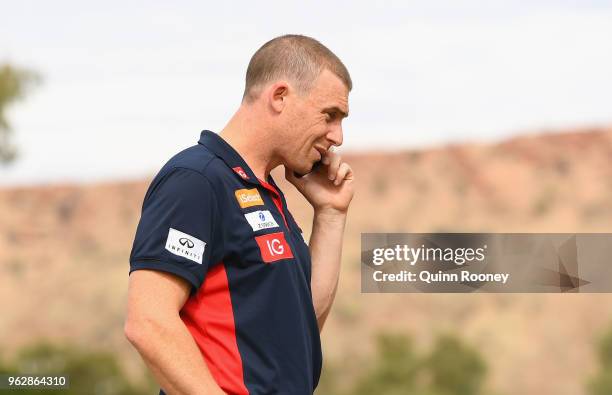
147,263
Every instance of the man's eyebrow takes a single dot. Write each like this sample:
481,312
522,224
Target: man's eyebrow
336,109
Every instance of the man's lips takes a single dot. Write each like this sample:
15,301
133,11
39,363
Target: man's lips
322,152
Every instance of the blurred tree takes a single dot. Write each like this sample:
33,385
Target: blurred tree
452,368
89,372
395,371
13,85
601,384
455,368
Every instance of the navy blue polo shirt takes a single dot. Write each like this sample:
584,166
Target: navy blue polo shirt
208,219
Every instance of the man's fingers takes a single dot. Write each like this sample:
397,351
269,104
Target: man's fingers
334,165
344,172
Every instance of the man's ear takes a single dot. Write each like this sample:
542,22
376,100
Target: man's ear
277,95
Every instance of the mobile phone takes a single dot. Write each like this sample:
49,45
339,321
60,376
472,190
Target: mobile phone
315,166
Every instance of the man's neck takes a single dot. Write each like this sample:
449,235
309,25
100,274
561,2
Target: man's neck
252,141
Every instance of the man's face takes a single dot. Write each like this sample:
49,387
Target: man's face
314,122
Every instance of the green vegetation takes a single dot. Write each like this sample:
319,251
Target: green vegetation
14,83
601,384
89,372
455,368
450,368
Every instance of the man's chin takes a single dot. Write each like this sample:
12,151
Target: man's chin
302,170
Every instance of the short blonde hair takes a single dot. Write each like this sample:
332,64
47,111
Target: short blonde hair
298,58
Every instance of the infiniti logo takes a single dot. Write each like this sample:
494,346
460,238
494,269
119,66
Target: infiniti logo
186,242
185,245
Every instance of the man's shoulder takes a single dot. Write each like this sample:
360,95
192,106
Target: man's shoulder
193,169
197,159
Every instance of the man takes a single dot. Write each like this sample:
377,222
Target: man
225,296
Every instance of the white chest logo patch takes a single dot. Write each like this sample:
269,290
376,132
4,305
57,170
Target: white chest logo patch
185,245
262,219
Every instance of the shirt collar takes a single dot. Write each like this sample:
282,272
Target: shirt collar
229,155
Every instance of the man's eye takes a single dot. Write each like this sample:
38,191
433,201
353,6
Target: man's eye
328,116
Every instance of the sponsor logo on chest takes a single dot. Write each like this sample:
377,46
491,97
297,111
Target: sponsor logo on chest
240,171
260,220
273,247
248,198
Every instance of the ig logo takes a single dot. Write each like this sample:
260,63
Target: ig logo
275,247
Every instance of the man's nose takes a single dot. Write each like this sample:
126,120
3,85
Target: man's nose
335,135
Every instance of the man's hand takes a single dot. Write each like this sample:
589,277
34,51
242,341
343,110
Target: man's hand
329,188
